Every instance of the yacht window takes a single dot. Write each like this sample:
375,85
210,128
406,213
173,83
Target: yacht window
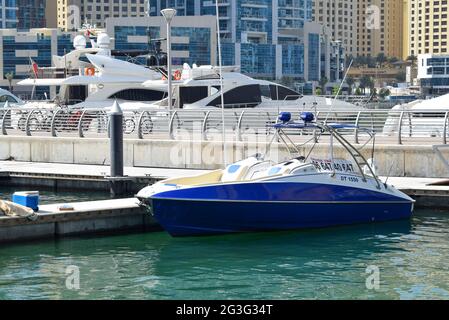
139,95
241,97
265,91
283,93
10,99
192,94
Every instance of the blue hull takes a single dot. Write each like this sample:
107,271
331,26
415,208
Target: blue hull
194,218
269,207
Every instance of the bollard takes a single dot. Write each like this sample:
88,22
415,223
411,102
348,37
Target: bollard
118,185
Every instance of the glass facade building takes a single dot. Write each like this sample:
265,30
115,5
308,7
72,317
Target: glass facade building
31,14
264,37
8,14
193,41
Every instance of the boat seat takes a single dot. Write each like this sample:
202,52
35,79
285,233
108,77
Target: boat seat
238,170
281,168
258,169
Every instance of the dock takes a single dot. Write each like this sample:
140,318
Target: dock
125,215
93,217
58,176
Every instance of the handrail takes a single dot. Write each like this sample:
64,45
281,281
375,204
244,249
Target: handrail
239,126
80,124
53,123
27,123
170,125
356,130
204,126
446,118
4,132
139,124
400,128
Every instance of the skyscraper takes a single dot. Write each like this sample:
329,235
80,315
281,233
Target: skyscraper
73,13
31,14
428,27
380,27
341,18
8,14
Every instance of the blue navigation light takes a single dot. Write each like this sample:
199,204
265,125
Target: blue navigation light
307,117
285,117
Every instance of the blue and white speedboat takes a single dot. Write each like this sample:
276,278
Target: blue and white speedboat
257,195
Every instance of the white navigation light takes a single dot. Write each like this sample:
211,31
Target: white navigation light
168,14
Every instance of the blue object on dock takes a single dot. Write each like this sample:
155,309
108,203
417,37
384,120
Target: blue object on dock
28,199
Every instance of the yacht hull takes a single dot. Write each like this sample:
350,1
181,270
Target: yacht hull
268,207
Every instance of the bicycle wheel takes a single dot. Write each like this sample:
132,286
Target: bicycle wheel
129,126
147,126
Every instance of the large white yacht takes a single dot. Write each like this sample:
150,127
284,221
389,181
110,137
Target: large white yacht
200,87
92,78
420,118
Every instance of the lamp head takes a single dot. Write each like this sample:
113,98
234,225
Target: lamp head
168,14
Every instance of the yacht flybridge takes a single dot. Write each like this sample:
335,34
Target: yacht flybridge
92,78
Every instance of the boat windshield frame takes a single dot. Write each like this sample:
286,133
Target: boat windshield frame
333,130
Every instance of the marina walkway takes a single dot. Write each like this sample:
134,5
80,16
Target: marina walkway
89,170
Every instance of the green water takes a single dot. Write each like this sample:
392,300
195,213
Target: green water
412,257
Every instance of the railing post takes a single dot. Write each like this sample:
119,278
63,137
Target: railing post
27,123
315,138
410,126
4,132
204,126
139,125
239,126
53,123
446,118
356,130
400,128
170,125
80,124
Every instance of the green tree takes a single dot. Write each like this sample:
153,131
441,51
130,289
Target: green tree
350,81
381,59
318,91
323,82
10,77
383,93
365,82
358,91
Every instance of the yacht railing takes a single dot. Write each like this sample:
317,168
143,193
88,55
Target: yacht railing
396,127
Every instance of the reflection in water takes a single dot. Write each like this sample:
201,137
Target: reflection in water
327,263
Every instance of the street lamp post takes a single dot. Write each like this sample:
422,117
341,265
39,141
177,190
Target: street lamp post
169,14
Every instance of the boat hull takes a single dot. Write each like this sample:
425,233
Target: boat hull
241,208
194,218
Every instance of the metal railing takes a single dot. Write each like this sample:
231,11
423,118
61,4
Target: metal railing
391,126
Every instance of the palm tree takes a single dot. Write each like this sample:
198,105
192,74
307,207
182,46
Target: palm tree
381,59
365,82
350,82
323,82
10,77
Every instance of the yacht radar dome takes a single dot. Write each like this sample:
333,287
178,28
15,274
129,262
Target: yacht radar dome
103,41
79,42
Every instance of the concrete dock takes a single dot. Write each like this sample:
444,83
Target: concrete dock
92,217
119,215
58,176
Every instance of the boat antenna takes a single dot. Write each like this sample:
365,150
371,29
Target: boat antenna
339,90
221,82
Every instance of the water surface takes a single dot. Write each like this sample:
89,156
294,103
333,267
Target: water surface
412,257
